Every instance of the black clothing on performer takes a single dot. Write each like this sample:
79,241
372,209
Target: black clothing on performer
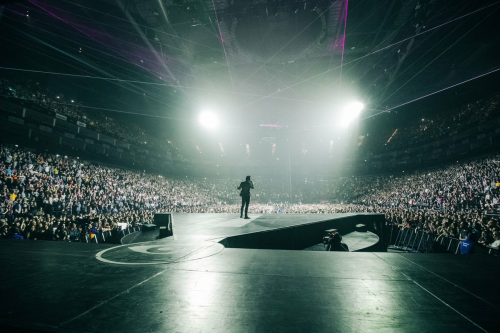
245,195
245,201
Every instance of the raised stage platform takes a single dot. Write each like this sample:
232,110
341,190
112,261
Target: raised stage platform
193,283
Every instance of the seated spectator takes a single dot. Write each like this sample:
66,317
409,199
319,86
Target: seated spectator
496,243
60,234
484,239
74,233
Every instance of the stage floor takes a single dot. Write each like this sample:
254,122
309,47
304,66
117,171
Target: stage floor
76,287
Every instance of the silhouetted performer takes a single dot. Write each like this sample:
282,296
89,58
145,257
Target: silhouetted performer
245,195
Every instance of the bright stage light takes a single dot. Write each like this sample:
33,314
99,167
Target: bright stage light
350,113
209,120
355,108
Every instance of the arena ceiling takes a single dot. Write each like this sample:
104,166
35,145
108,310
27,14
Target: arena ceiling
260,61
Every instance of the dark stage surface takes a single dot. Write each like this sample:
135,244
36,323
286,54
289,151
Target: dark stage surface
193,284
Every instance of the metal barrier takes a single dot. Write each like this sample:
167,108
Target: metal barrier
413,240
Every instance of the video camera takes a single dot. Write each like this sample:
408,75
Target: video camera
332,240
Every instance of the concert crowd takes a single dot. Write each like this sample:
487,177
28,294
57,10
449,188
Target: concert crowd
30,92
443,123
52,197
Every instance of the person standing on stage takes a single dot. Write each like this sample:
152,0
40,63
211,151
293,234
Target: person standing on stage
245,195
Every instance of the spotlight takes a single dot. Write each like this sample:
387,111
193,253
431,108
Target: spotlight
209,120
355,108
350,113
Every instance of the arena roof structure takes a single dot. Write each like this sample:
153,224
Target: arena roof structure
256,62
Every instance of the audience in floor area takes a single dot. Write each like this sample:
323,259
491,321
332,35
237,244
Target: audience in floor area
52,197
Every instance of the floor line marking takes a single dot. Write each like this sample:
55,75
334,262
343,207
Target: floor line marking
112,298
449,306
21,278
133,239
196,251
48,253
176,268
436,297
274,220
99,257
455,285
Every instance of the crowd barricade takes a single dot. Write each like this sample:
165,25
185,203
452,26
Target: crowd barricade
414,240
427,243
445,244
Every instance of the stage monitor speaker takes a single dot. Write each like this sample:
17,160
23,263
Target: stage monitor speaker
164,232
166,224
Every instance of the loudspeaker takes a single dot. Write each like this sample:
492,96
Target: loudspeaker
164,232
166,224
